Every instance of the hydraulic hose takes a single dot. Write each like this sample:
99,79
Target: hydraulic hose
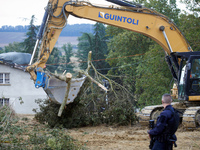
121,3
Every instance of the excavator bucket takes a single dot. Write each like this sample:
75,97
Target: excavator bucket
56,86
56,89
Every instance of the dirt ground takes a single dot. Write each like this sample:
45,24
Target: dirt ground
126,137
129,138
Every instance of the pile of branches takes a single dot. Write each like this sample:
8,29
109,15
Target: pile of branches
93,106
100,101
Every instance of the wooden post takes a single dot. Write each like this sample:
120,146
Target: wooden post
68,81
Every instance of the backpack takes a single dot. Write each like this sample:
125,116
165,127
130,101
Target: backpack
174,125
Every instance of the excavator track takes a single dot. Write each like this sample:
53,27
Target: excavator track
149,113
191,118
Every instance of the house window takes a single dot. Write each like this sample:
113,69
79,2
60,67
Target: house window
4,101
4,78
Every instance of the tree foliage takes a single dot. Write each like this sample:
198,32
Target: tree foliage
97,44
54,60
66,58
14,47
190,26
29,42
1,50
146,75
125,48
165,7
192,5
100,47
84,46
59,62
153,77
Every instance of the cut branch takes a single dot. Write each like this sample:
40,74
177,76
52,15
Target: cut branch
68,81
89,61
93,80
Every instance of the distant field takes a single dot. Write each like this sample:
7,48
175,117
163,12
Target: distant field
67,39
10,37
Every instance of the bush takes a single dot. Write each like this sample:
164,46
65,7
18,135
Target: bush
18,134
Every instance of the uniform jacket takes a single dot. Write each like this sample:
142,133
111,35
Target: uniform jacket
162,121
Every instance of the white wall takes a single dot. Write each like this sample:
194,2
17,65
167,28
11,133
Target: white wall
21,86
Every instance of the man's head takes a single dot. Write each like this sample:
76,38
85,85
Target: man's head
166,99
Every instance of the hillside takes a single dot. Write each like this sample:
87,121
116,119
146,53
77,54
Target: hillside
10,37
10,34
69,30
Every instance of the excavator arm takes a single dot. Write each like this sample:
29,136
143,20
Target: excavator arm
128,16
141,20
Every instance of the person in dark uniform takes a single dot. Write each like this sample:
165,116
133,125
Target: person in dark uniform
163,134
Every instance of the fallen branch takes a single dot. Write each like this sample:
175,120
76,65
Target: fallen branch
93,80
87,70
89,61
68,81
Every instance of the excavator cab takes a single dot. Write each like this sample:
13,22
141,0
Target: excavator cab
189,76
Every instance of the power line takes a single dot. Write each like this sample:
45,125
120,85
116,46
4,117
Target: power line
95,60
122,66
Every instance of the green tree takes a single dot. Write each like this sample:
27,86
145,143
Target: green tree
84,46
53,61
1,50
100,47
68,52
165,7
66,58
97,44
190,23
123,56
29,42
190,26
192,5
149,71
14,47
153,77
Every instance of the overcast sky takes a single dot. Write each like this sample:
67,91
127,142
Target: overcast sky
19,12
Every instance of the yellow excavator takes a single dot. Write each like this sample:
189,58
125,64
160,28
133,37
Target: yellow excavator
184,64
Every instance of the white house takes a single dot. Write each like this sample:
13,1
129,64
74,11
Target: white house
15,84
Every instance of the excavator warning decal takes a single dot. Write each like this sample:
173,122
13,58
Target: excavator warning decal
118,18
